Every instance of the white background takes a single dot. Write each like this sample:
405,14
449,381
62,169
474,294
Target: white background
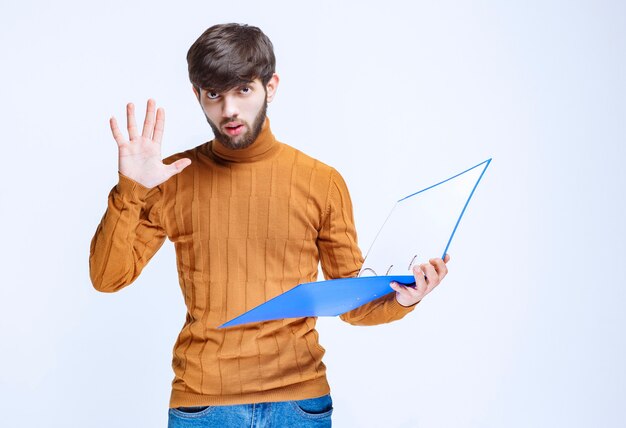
527,329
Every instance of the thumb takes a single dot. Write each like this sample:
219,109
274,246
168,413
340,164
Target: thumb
178,166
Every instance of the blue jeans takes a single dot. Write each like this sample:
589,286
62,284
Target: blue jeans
312,412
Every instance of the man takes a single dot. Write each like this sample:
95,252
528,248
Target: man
250,218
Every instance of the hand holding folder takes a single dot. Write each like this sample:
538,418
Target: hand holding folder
427,277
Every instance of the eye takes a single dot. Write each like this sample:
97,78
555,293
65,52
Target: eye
246,90
212,95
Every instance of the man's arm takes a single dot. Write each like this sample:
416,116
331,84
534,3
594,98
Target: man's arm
341,257
128,235
131,231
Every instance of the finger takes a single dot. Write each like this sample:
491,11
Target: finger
420,281
440,267
446,259
401,288
397,286
407,292
148,123
178,166
158,127
130,121
117,134
432,278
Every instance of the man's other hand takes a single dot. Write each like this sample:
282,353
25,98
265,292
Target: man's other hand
427,277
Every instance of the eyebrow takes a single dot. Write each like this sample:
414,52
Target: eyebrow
246,83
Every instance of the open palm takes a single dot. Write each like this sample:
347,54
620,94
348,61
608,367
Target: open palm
140,155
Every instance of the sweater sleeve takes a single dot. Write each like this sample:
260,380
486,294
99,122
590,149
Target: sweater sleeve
341,257
128,235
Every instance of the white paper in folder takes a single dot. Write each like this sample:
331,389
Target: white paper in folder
421,225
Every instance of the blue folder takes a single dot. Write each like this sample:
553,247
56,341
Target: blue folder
391,249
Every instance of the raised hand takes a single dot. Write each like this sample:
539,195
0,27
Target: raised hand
140,155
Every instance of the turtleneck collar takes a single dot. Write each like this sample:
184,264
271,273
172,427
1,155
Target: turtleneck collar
263,147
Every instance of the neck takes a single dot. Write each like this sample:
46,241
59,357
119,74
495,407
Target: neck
262,147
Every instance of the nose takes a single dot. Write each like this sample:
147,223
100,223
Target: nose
229,107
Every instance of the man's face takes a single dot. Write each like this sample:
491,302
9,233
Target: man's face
237,115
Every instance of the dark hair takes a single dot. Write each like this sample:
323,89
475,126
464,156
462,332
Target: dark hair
229,55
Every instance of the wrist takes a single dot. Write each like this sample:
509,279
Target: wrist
405,304
128,186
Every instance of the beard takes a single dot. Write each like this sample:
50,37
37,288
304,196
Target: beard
246,139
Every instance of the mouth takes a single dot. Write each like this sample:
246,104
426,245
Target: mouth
234,128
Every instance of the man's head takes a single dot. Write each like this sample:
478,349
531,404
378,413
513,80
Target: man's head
232,71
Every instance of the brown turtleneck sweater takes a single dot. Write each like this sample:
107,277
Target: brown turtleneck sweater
247,225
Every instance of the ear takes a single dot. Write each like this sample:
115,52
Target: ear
271,87
195,91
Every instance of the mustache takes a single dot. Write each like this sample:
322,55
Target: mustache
232,119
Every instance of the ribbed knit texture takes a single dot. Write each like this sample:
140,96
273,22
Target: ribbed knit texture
247,225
